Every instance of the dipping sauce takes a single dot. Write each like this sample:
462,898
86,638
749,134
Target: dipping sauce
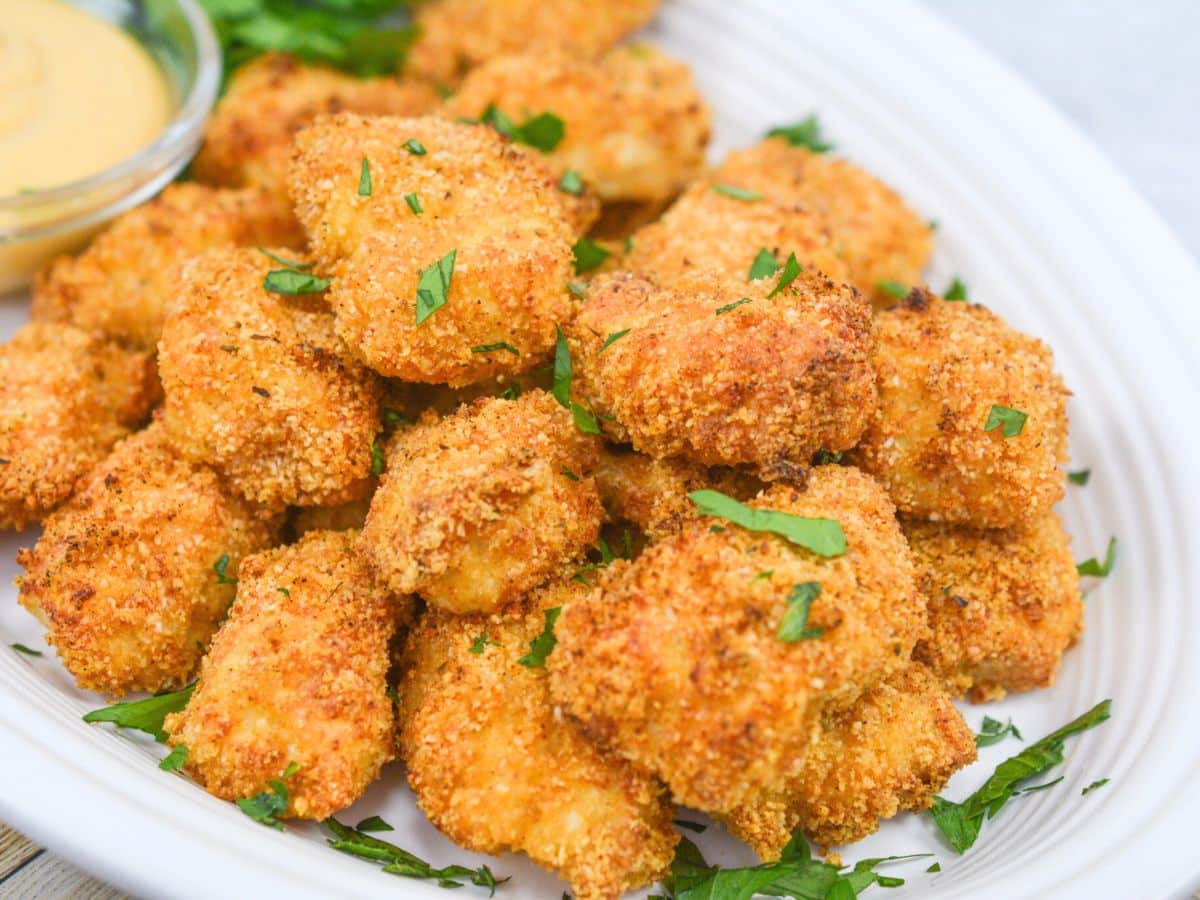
77,95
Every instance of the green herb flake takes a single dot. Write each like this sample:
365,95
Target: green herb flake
585,420
806,133
1094,786
287,593
265,808
763,575
578,288
993,731
956,291
543,132
561,387
764,266
571,476
414,203
28,651
373,823
433,290
737,193
174,760
822,536
960,823
1080,478
287,263
934,867
393,419
294,283
482,641
415,147
378,460
893,289
221,567
824,458
571,183
588,255
612,339
791,270
542,645
794,625
143,715
364,179
1094,568
493,348
1010,421
721,310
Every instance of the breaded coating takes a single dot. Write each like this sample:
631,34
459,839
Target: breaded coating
876,235
65,398
635,125
620,220
497,209
258,385
123,283
457,35
1003,604
496,769
340,517
706,229
478,508
890,751
676,662
126,576
248,141
766,382
942,367
296,675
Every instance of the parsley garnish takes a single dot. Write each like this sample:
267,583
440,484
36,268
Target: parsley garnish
374,823
287,593
1010,421
434,287
397,861
1094,567
364,179
294,282
578,288
28,651
585,419
721,310
298,266
822,536
144,715
265,807
415,147
764,266
893,288
393,419
612,339
414,203
542,645
571,476
824,457
378,460
492,348
174,760
544,131
737,193
588,255
956,291
1094,786
960,823
791,269
993,731
934,867
803,134
571,183
1080,478
481,641
221,567
794,626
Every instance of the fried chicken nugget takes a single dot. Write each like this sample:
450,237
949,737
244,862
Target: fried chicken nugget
131,577
943,368
65,398
1003,605
478,508
258,386
457,35
249,139
876,235
491,214
727,372
890,751
677,664
495,768
122,283
636,126
707,229
296,675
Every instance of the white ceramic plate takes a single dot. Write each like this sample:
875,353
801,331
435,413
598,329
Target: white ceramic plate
1045,232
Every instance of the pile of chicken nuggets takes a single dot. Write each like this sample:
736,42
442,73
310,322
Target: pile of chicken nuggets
387,430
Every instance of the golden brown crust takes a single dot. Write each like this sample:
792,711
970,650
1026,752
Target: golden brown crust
767,383
123,283
1003,605
476,509
890,751
65,398
297,674
635,125
496,769
675,662
339,517
496,207
123,575
258,386
876,235
457,35
249,139
942,366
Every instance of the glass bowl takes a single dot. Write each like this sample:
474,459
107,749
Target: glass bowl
41,224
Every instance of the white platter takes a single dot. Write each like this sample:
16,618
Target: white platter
1044,231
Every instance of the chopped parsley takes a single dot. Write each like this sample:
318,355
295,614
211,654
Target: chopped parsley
822,536
934,867
364,179
960,823
893,289
571,476
956,291
585,419
414,203
993,731
293,282
544,131
433,289
612,339
791,269
28,651
1094,568
393,419
571,183
721,310
764,266
1094,786
481,642
588,255
397,861
578,288
763,575
287,593
492,348
174,760
1010,421
824,457
737,193
287,263
415,147
264,808
378,460
143,715
374,823
1080,478
794,626
542,645
806,133
221,567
